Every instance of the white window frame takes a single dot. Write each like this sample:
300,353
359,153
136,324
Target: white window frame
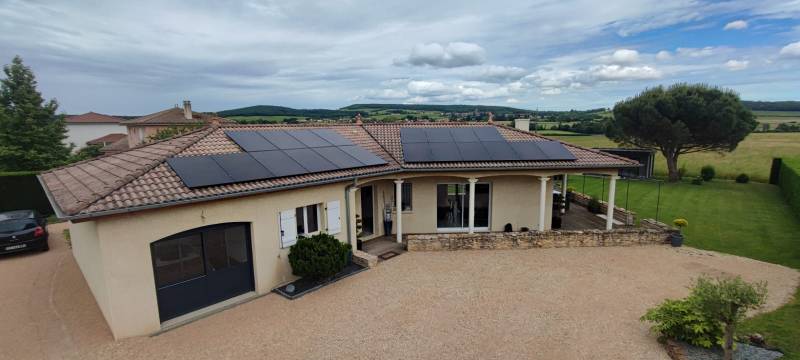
466,228
305,220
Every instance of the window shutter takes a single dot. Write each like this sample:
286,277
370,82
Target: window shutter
334,220
288,228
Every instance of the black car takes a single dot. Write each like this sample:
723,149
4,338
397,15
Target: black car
22,230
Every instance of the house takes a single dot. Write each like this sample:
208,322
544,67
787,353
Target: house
89,126
142,128
167,231
106,140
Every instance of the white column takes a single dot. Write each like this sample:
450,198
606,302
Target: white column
351,221
564,195
542,200
612,189
472,205
399,204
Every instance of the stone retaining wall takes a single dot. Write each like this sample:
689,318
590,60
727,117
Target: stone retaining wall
536,239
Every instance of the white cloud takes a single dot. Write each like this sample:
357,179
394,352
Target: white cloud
512,101
427,88
791,51
663,55
621,57
695,52
736,65
550,91
496,73
555,81
455,54
387,94
623,73
736,25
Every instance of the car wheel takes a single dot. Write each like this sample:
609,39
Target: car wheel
45,247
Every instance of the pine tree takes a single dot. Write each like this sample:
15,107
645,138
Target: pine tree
31,133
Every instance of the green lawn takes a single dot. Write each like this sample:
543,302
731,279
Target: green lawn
751,220
753,156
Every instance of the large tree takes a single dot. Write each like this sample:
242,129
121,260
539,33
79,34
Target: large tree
31,133
681,119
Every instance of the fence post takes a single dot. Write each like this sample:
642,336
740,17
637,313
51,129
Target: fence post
627,194
658,200
583,189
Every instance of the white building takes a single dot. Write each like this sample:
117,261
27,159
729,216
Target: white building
90,126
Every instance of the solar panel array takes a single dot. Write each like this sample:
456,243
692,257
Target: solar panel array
442,144
273,154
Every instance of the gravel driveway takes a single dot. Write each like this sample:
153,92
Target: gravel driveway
540,304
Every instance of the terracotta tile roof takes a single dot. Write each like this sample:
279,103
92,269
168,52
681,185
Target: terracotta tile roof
117,146
174,116
110,138
139,178
92,118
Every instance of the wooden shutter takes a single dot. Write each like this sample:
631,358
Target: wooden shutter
288,228
334,220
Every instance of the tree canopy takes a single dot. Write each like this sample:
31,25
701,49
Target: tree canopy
681,119
31,134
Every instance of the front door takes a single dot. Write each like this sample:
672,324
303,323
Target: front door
201,267
367,216
452,206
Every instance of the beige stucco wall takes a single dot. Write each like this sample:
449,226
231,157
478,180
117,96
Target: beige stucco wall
130,302
87,253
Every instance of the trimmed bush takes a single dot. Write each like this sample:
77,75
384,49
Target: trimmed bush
318,257
742,178
789,182
697,181
707,172
594,206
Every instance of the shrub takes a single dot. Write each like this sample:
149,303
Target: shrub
684,320
742,178
682,171
707,172
318,257
726,301
697,181
594,206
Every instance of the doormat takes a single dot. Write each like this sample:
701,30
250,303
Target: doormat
388,255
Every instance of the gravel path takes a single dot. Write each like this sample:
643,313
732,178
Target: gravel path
534,304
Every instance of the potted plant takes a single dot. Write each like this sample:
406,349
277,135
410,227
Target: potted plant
676,239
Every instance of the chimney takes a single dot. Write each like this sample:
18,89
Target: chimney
187,109
491,118
523,124
358,119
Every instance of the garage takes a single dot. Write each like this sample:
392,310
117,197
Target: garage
201,267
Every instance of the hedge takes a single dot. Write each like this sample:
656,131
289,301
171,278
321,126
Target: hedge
21,190
789,182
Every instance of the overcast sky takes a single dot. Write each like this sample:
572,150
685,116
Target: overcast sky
138,57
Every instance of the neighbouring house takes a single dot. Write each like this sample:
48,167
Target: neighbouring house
142,128
106,140
90,126
646,157
167,231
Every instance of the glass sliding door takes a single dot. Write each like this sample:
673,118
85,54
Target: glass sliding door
452,207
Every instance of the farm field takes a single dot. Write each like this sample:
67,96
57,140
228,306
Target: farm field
265,119
773,118
753,156
751,220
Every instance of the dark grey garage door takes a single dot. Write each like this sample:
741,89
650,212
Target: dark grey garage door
201,267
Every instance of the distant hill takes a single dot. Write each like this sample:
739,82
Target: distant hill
772,105
497,110
270,110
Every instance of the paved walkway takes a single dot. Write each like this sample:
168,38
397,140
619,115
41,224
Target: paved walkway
531,304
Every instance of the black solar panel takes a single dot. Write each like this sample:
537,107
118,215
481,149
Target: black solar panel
278,163
332,137
308,138
444,151
554,150
310,160
474,151
474,143
242,167
417,152
197,171
463,134
364,156
528,150
500,151
413,135
436,135
338,157
250,140
282,140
